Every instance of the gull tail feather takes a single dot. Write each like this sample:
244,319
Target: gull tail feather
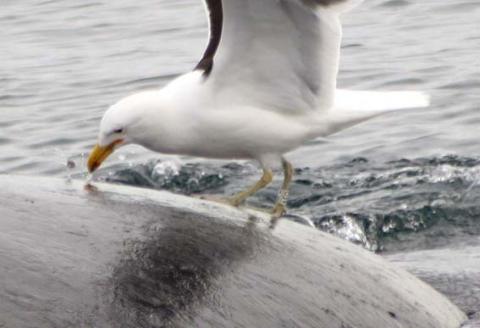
380,101
353,107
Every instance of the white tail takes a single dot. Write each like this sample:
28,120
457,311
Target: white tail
379,101
353,107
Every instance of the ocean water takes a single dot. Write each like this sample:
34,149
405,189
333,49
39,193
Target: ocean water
403,182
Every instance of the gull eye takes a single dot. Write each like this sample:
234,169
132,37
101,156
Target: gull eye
117,131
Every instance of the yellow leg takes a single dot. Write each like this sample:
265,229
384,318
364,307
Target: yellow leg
280,207
240,198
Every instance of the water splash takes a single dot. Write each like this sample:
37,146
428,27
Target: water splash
76,165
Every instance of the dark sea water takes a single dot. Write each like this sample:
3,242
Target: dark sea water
404,182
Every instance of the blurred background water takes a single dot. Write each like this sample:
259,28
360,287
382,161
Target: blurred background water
401,182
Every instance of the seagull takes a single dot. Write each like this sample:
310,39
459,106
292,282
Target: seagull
265,85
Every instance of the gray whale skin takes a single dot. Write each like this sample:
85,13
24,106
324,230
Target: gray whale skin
116,256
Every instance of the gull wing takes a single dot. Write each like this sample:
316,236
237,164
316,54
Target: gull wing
276,54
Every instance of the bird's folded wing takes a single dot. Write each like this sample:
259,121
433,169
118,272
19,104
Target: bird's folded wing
276,54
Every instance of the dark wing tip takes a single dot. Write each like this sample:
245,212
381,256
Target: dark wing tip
215,16
205,65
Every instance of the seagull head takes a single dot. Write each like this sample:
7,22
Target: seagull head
122,124
154,119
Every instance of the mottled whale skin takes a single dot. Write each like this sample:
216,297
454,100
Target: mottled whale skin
115,256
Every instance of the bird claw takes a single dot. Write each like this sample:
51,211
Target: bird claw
235,201
278,211
232,201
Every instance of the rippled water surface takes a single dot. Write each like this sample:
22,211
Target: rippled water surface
407,180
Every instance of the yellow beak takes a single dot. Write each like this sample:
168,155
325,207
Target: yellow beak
100,154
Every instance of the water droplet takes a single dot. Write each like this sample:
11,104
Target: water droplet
167,168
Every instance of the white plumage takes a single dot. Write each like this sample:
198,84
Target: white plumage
266,85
